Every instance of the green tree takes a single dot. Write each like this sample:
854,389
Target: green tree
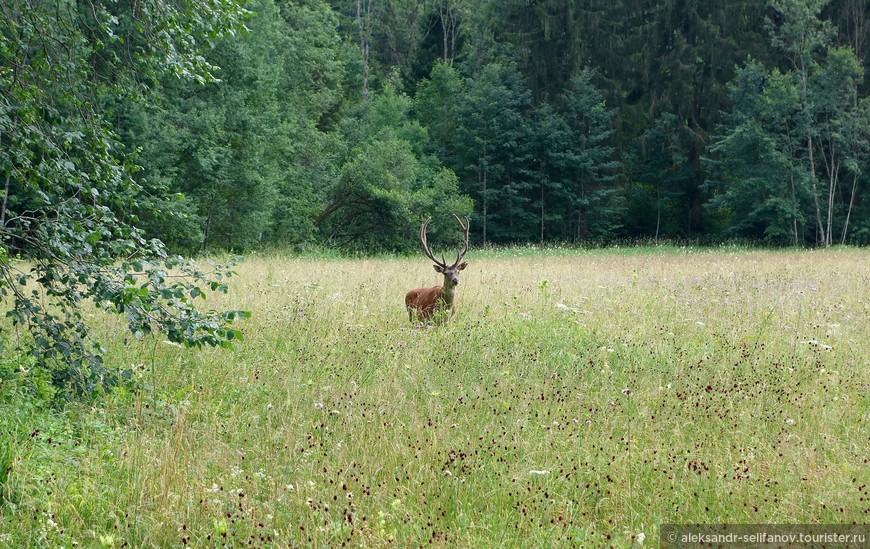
657,174
596,200
549,148
794,133
248,154
493,128
758,177
219,140
70,201
389,182
437,107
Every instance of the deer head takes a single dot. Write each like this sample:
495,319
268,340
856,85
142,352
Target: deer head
426,301
450,272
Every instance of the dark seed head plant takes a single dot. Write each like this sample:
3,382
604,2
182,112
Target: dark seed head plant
639,389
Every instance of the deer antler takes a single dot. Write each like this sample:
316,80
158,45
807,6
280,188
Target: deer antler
443,262
423,241
465,227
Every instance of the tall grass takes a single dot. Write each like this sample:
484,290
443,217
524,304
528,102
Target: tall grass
574,399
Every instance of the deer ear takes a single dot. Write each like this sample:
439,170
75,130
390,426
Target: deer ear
462,266
439,268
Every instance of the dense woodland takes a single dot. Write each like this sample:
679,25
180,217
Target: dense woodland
344,123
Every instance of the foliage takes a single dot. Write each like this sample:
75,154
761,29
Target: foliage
389,183
260,155
70,202
762,182
793,136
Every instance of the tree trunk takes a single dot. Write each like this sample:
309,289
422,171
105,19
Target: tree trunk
849,210
5,200
658,212
484,197
364,33
5,195
794,205
444,14
832,187
820,229
542,215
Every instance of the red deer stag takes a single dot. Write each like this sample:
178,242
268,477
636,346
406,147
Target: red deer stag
426,302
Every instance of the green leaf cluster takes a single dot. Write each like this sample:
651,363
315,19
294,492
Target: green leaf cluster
71,202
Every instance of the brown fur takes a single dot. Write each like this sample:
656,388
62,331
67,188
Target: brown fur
425,302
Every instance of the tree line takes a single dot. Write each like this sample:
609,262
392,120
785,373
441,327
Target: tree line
346,122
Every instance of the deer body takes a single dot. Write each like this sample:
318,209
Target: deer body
426,302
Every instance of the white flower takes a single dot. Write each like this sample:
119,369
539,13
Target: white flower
789,421
638,539
318,405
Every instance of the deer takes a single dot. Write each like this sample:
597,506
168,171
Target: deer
426,302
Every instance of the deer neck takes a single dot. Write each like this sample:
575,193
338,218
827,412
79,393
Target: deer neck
448,292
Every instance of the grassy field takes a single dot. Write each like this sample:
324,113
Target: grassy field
576,399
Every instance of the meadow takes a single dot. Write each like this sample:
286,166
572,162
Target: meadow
577,398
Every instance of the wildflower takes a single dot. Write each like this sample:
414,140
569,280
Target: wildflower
318,405
638,539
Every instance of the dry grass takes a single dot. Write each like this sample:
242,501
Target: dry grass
575,399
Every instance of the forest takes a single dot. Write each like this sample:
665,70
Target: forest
342,124
663,319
